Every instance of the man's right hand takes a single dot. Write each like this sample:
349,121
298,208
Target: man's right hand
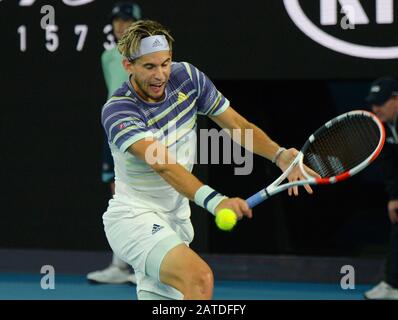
393,211
238,205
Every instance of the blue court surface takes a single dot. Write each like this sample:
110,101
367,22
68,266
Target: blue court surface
75,287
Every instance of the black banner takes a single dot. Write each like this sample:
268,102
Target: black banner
278,39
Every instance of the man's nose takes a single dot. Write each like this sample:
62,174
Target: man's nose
159,73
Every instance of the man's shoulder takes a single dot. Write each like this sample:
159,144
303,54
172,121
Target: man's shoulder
181,71
122,97
182,66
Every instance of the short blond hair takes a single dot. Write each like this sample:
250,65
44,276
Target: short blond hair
131,39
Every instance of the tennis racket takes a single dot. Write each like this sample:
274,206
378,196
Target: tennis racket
339,149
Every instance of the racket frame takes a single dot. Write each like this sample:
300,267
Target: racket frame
276,187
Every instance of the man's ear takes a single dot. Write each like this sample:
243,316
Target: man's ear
126,64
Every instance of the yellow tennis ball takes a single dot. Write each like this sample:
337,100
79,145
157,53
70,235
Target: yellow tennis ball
226,219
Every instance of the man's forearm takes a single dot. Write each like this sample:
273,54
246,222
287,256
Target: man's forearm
158,158
189,186
263,145
180,179
256,140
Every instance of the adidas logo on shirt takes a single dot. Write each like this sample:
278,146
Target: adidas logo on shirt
156,228
182,97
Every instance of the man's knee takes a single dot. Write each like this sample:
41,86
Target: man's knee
206,279
184,270
200,283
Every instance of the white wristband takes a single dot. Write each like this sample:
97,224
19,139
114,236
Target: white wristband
278,154
208,198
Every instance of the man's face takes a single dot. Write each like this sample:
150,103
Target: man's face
150,74
120,25
387,112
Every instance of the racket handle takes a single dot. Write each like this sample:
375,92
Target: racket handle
255,199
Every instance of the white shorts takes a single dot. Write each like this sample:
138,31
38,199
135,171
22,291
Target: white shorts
133,231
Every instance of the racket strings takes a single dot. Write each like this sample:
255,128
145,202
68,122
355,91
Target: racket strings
344,145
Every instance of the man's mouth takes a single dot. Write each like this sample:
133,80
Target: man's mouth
156,87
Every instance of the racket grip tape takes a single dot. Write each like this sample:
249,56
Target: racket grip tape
257,199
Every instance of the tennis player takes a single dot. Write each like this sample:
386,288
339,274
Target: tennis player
150,122
123,14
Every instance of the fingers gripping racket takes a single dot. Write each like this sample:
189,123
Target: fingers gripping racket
339,149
